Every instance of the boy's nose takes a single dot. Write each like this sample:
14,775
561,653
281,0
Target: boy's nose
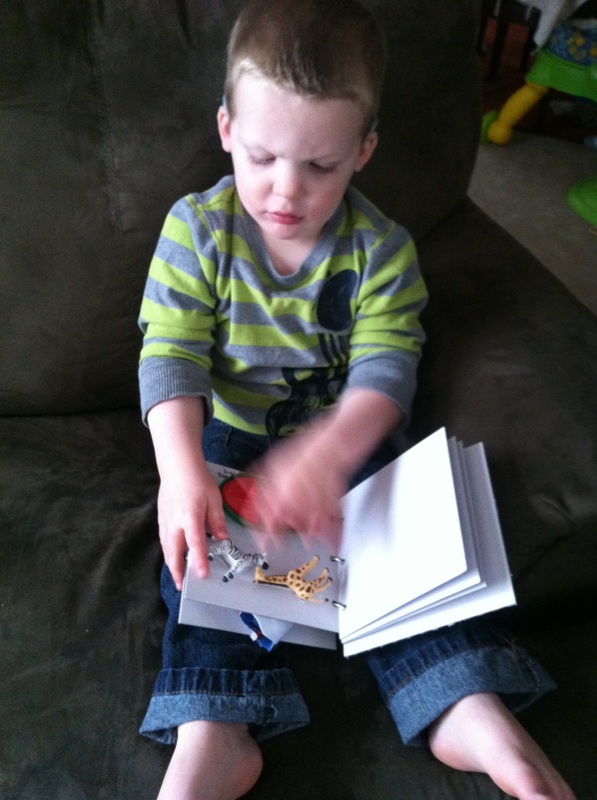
287,181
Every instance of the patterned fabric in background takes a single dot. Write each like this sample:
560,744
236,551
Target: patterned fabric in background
574,41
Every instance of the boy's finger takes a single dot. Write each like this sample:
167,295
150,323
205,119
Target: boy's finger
195,536
216,522
173,548
175,563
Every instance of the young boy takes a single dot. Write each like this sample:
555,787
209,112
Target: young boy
281,333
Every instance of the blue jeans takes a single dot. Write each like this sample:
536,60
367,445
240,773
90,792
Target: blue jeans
214,675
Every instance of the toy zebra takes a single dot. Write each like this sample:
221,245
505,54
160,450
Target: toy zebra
234,558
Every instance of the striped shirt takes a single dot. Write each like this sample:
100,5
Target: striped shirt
268,351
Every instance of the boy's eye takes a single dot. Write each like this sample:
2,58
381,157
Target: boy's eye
265,160
261,161
322,169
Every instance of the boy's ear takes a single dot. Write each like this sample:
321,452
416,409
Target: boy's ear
224,128
368,146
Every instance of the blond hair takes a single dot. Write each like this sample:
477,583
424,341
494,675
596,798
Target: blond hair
316,48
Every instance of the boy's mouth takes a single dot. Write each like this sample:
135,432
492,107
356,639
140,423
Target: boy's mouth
284,218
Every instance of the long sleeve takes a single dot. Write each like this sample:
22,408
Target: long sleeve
177,314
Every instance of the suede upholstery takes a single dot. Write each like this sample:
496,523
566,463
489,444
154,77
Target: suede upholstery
108,116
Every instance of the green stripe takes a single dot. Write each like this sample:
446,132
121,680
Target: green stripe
382,340
354,220
395,266
225,416
178,231
170,350
380,305
238,395
265,336
175,321
337,263
232,243
240,292
174,278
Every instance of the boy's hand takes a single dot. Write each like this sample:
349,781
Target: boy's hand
188,507
189,501
304,477
301,483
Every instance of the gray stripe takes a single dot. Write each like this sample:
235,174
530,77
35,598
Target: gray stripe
171,298
173,253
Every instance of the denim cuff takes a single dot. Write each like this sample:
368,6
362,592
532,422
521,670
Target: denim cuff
269,701
417,698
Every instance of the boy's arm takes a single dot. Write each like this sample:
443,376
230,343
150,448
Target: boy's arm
189,500
304,477
177,320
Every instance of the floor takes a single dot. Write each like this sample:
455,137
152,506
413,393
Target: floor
523,186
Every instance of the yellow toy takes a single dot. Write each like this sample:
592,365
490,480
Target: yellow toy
295,581
497,126
568,63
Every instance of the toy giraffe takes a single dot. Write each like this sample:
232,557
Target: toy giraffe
295,581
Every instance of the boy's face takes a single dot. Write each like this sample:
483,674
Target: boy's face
293,157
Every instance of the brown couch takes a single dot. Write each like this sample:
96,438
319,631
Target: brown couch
108,116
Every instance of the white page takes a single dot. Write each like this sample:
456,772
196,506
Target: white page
495,569
469,580
464,499
227,619
402,535
495,590
461,586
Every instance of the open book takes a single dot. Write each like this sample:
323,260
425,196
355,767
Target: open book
420,547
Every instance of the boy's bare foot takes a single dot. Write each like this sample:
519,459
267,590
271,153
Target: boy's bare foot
212,761
479,734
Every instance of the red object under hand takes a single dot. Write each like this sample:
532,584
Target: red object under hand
240,497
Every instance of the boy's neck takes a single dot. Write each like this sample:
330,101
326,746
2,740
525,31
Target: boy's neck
288,256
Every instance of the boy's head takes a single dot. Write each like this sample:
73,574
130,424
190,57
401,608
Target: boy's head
326,49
